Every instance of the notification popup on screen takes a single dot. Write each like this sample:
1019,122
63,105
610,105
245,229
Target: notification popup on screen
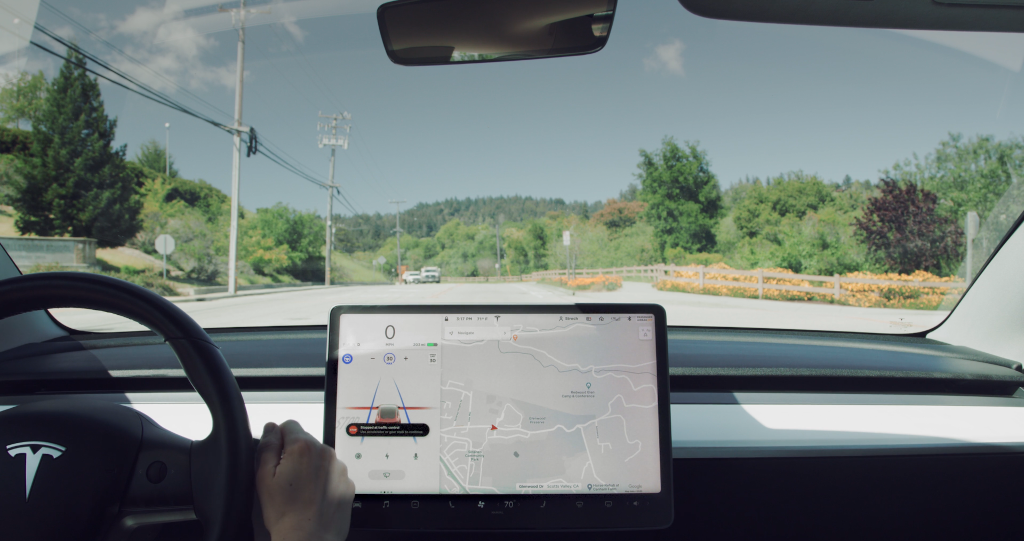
517,410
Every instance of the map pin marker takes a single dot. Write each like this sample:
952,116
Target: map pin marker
588,385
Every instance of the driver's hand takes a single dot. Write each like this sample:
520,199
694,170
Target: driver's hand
304,490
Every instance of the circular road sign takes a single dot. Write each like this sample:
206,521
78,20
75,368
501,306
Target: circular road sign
164,245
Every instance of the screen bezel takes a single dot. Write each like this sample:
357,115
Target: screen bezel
566,511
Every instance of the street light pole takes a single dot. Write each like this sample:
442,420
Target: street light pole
167,150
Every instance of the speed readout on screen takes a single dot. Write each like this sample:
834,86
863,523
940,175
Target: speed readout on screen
498,404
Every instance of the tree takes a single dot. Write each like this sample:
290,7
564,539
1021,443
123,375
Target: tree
902,228
618,215
151,155
966,175
683,197
21,98
301,232
764,206
75,182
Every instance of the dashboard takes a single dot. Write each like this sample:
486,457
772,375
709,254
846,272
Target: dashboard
793,434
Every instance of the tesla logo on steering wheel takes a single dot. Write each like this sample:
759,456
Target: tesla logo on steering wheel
32,459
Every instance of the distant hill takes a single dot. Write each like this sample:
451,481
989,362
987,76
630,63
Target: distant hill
367,232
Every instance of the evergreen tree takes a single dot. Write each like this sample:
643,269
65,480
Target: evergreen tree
75,182
151,156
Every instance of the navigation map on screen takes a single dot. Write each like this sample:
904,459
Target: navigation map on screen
498,404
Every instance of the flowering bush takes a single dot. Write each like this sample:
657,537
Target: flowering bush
863,295
600,282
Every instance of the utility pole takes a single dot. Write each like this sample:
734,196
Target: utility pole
334,142
236,152
398,235
167,150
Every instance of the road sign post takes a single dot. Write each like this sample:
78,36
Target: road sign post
165,247
380,261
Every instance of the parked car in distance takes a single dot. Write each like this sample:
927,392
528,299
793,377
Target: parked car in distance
411,277
430,274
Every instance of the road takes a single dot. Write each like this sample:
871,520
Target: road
312,306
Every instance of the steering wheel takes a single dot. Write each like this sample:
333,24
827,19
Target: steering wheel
84,469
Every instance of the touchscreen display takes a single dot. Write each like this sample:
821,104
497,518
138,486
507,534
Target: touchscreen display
498,403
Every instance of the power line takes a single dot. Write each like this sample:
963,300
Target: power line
162,99
132,59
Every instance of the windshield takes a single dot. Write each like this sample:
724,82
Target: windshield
739,174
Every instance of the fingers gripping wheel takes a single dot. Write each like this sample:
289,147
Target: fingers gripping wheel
81,469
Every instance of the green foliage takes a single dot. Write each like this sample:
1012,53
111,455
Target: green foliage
200,251
75,183
15,141
678,256
22,98
151,279
794,221
762,207
10,179
683,197
281,238
367,232
965,175
151,155
200,195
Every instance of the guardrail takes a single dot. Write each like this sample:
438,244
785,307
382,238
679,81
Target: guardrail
668,272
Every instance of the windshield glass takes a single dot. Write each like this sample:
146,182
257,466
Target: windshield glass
739,174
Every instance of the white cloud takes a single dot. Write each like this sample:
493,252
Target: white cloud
667,57
164,42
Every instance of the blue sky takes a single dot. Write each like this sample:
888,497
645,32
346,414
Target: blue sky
761,99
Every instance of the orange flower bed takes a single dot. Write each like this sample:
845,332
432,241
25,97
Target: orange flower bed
863,295
600,282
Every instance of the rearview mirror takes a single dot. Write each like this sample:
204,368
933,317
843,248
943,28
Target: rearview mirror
433,32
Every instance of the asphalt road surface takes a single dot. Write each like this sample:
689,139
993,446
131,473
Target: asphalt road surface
311,306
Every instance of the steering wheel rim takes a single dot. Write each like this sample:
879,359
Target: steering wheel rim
222,488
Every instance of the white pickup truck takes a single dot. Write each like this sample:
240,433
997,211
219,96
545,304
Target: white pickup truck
430,274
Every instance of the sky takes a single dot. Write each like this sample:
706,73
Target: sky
760,99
